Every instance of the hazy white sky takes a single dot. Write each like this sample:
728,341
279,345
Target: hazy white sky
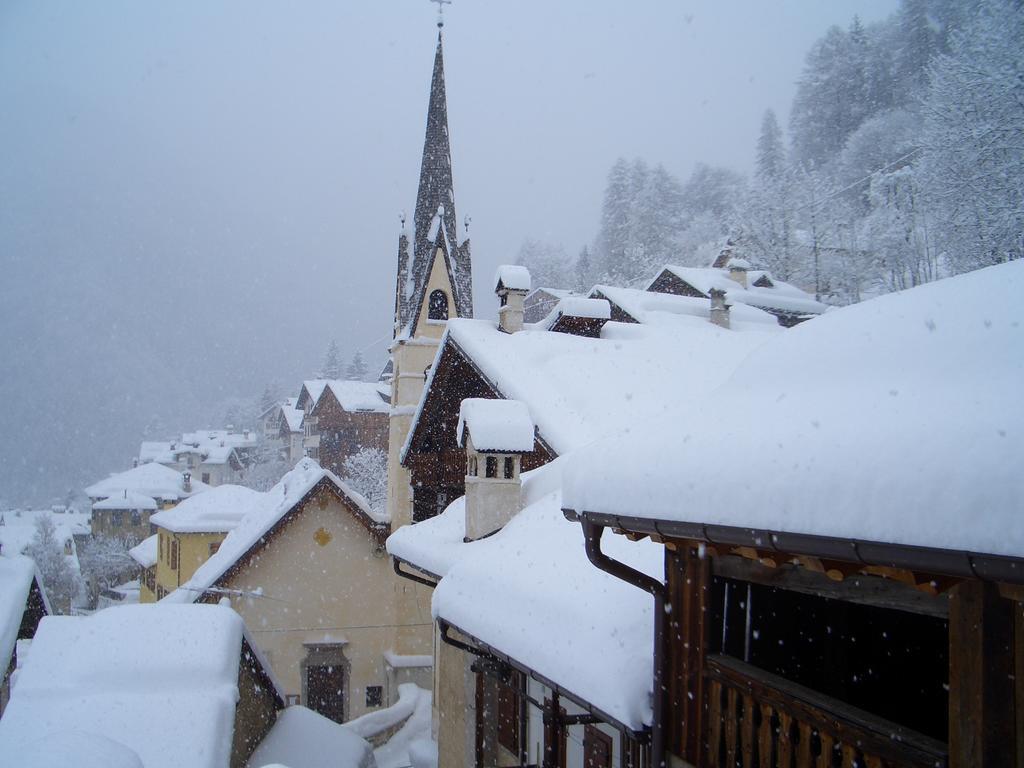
196,196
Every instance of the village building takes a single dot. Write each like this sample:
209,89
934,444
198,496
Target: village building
741,285
166,486
843,567
19,528
189,534
289,432
540,301
520,612
214,456
124,516
349,416
580,375
23,604
170,685
307,571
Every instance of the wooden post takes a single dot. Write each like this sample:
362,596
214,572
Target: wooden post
688,577
981,669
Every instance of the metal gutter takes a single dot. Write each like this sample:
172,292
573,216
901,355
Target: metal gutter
396,563
946,562
592,533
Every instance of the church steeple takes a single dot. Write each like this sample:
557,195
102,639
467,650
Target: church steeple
435,222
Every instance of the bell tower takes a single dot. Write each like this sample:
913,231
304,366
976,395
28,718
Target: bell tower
434,282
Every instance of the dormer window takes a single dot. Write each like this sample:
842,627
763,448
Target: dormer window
437,306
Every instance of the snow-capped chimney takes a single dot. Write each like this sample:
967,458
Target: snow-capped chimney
495,434
738,270
719,308
511,283
187,482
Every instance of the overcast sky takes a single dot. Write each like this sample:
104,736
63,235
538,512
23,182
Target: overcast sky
196,196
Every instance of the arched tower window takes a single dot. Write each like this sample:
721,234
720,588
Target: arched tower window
437,308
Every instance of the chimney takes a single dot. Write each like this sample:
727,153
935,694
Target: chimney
719,308
511,283
187,478
495,434
738,270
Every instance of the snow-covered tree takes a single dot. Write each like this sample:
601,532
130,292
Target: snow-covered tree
356,370
973,139
59,578
583,271
771,153
548,264
367,472
105,561
269,398
331,368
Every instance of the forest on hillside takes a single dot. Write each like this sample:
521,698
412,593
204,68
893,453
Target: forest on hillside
904,163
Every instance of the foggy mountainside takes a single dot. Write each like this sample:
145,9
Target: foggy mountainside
902,165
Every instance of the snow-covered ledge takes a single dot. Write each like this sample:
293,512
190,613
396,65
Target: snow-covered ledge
511,283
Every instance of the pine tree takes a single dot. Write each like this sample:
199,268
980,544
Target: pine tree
356,370
367,473
771,154
548,264
613,237
268,399
583,271
332,362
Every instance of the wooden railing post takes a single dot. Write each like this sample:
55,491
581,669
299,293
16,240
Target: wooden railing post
981,710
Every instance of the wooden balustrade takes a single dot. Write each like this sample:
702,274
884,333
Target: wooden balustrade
759,719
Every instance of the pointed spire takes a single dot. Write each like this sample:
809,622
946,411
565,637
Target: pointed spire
436,187
436,191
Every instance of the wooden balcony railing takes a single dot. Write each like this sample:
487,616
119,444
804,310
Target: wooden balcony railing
759,719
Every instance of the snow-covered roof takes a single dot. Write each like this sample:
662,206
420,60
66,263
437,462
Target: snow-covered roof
496,425
302,738
310,392
19,527
158,451
82,750
578,306
259,514
161,680
579,388
145,553
665,308
16,576
211,438
292,415
219,509
126,500
738,263
218,454
897,420
153,480
358,395
781,297
515,277
529,592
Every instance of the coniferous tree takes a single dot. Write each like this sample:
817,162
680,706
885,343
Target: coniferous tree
771,153
583,271
332,362
356,370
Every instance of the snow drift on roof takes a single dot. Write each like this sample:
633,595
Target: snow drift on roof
782,297
652,308
126,500
145,553
153,480
896,420
496,425
358,395
512,276
530,591
579,389
16,575
162,680
219,509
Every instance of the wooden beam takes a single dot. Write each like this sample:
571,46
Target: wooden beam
981,670
864,590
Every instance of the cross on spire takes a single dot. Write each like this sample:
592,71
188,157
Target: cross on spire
440,11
